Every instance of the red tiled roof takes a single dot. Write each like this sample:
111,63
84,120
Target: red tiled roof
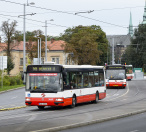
2,46
55,45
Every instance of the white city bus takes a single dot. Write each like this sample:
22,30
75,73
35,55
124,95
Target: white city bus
129,72
62,85
115,76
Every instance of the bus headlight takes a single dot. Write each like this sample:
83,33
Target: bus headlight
27,99
58,99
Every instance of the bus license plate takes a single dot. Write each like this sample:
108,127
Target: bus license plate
115,85
42,103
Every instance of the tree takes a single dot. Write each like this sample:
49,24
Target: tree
32,49
9,32
10,64
87,43
135,54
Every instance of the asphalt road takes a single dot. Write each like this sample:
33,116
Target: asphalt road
12,98
118,103
136,123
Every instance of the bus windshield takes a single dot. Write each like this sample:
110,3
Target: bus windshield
115,74
44,82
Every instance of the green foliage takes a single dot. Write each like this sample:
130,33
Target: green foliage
10,64
135,54
18,79
11,81
32,50
6,82
18,36
87,43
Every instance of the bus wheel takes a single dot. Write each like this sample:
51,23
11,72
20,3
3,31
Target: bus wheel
96,98
41,107
73,102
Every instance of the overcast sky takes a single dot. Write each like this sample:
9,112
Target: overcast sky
111,15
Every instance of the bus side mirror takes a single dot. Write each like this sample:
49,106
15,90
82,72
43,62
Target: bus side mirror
64,75
24,78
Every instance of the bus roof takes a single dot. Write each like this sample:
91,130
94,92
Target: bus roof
82,66
128,65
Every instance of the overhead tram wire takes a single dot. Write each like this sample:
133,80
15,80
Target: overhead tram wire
97,10
20,21
67,13
79,15
12,2
35,20
38,7
118,8
70,11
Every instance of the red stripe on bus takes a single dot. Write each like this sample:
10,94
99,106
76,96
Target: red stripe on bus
34,101
42,74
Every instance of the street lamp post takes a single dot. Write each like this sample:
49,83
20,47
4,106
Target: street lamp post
24,50
46,38
113,57
24,61
46,41
40,51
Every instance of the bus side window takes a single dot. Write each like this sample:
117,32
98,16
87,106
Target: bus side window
66,81
96,75
73,80
85,80
91,79
79,80
101,78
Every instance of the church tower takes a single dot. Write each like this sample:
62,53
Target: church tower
144,15
130,26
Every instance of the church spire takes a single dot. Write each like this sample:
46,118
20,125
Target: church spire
144,15
130,26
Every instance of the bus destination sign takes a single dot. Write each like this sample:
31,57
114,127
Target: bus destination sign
37,68
115,67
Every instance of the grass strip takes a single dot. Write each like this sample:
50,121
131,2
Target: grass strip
5,88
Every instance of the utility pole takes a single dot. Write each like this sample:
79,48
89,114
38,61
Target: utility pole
24,39
46,41
40,50
46,38
24,61
38,53
113,58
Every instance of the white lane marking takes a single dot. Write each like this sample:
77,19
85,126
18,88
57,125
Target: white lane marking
32,117
21,115
122,94
123,99
14,97
115,94
135,131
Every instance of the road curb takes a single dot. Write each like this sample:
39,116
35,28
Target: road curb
6,109
11,90
54,129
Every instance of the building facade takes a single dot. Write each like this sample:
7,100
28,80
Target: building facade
55,53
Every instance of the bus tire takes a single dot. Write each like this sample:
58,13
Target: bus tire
73,101
96,98
41,107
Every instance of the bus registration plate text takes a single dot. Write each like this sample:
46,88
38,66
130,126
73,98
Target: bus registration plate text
42,103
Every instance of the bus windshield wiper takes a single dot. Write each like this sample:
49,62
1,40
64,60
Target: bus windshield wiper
50,91
36,90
